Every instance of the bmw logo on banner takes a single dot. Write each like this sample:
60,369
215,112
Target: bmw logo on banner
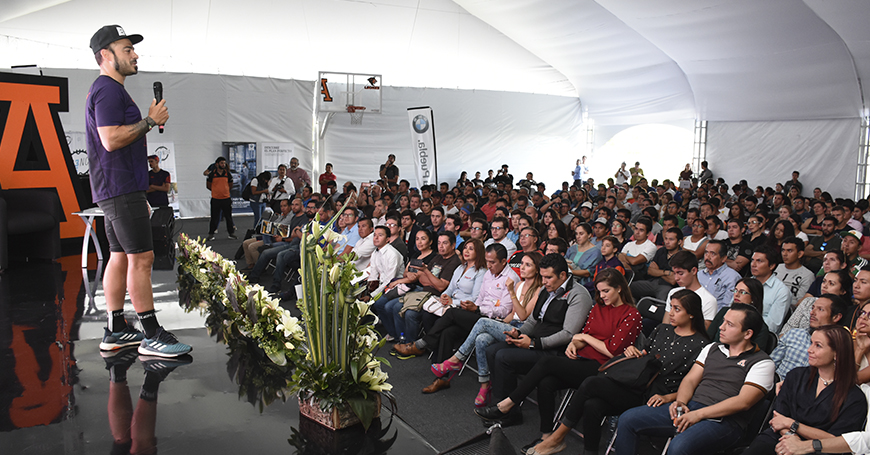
423,143
420,124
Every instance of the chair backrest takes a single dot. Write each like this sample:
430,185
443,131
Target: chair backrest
629,276
761,414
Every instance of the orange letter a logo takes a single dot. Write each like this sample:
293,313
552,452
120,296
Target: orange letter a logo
324,90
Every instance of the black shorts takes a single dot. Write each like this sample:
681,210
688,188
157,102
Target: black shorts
128,226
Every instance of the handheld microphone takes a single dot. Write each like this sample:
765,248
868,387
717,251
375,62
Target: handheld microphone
158,95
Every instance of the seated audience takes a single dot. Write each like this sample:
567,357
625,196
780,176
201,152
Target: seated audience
583,255
791,352
748,291
476,290
613,325
559,314
528,243
677,344
486,331
385,265
295,221
834,260
619,230
715,400
827,239
499,229
696,243
739,250
366,245
837,282
818,401
636,255
777,298
796,278
717,277
401,315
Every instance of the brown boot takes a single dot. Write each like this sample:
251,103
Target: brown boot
437,385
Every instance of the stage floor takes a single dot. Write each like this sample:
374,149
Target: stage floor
56,397
54,387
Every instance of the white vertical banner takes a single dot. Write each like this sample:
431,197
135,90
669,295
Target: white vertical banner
166,152
275,153
423,145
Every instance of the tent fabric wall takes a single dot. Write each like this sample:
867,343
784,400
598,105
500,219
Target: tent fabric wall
475,130
824,152
204,111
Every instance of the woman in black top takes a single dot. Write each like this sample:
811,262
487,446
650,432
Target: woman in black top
821,400
756,231
678,344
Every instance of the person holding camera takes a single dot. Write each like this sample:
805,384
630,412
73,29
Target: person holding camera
389,172
280,187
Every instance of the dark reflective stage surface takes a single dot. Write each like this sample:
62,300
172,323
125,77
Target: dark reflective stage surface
56,395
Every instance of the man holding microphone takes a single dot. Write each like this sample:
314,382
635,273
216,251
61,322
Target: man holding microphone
119,177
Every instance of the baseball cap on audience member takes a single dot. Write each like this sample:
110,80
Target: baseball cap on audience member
852,233
468,209
600,220
586,205
108,34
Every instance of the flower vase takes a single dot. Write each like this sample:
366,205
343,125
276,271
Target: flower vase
341,416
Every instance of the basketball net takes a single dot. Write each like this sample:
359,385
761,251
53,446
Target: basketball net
356,114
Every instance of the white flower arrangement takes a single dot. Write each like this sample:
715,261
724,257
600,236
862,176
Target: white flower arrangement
331,352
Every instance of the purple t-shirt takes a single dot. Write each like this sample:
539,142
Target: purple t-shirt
124,170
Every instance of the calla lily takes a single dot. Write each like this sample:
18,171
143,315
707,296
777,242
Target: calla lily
278,358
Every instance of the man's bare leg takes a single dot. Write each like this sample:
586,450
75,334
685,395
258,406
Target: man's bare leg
138,278
115,281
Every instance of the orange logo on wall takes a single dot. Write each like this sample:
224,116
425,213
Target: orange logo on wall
33,148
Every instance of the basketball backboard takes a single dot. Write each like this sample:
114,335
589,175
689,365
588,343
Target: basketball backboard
336,91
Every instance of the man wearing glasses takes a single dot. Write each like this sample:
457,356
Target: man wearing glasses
528,242
829,240
499,235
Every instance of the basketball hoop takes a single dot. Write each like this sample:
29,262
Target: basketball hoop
356,114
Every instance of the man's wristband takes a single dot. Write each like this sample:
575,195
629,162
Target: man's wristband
150,122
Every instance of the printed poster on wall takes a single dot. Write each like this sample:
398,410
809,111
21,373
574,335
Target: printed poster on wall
275,153
78,148
165,151
242,160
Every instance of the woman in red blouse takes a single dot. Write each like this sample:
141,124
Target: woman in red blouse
613,325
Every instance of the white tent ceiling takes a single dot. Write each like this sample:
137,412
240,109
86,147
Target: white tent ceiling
629,61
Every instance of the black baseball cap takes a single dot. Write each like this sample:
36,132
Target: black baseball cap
108,34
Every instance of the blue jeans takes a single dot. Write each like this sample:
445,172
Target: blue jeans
385,309
706,436
257,208
411,323
484,333
282,260
267,255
